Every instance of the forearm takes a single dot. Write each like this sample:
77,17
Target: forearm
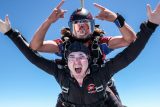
128,33
38,38
31,55
128,55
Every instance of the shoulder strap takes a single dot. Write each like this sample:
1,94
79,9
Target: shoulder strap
100,84
65,84
96,52
66,44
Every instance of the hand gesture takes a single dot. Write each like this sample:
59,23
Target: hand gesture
153,16
105,14
5,25
57,13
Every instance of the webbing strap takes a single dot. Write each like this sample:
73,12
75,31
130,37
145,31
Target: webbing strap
96,51
65,86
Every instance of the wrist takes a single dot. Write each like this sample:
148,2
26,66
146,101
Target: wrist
119,21
151,25
49,21
9,32
12,33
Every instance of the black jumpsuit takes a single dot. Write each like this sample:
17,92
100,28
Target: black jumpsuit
92,92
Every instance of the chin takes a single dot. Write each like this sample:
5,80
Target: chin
79,75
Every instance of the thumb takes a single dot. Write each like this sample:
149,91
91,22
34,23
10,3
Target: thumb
98,17
7,20
149,10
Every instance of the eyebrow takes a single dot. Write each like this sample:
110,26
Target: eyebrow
81,55
71,55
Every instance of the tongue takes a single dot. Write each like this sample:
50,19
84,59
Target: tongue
78,70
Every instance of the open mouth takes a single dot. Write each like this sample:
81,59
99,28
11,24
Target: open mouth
82,31
78,70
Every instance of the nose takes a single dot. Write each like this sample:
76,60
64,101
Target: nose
81,26
77,60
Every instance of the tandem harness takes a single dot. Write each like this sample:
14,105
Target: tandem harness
101,103
94,46
100,87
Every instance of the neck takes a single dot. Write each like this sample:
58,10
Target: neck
82,39
80,81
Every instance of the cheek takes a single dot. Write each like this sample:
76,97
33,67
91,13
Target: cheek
70,66
76,27
85,63
86,26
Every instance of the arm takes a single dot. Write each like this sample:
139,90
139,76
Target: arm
133,50
128,35
129,54
37,42
46,65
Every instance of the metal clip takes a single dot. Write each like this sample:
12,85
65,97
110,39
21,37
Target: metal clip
100,88
64,89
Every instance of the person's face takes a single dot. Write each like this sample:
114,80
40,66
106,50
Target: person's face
78,64
81,29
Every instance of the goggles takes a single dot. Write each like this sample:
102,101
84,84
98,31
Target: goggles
90,23
80,21
80,58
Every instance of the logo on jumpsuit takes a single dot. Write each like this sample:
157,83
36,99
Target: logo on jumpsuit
91,88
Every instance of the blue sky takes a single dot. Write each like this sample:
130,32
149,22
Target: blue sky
24,85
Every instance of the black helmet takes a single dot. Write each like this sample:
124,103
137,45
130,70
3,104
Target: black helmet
81,14
76,47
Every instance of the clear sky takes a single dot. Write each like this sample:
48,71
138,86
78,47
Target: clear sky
24,85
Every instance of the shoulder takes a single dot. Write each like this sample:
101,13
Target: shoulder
58,41
105,39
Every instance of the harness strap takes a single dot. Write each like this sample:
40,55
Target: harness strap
96,51
65,88
100,85
100,103
66,44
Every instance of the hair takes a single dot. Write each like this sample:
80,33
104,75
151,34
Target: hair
78,47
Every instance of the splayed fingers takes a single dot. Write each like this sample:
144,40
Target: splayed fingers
5,25
105,14
60,4
57,12
99,6
153,15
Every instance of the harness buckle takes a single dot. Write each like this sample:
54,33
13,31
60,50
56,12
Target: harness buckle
100,88
67,104
64,89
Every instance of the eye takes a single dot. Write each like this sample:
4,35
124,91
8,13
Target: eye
71,58
75,22
82,57
84,21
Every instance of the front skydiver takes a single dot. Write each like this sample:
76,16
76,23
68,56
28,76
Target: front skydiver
81,53
81,28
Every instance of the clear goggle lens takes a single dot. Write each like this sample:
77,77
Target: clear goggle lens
90,23
80,21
